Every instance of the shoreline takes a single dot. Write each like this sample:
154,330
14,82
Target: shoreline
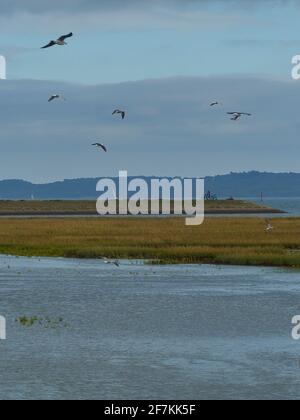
65,208
153,263
94,215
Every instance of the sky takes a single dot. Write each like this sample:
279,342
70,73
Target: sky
163,61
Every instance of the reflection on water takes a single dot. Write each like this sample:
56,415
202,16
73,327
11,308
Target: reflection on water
143,332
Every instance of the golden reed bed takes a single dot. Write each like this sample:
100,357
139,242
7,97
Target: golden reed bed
240,241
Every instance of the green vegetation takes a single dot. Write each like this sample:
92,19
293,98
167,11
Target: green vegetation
241,241
28,322
58,206
89,207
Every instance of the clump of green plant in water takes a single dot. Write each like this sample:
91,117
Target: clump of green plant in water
54,323
28,322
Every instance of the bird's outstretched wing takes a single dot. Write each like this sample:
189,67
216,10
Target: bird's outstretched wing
122,113
63,37
103,147
239,113
100,145
51,44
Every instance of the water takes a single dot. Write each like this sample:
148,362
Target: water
144,332
289,205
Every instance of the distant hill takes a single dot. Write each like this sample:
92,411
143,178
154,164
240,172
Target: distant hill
248,184
252,184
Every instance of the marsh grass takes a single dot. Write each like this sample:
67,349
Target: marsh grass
240,241
89,207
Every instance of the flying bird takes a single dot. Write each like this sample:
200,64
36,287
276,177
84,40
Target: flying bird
215,103
113,262
269,226
101,146
237,115
53,97
119,111
59,41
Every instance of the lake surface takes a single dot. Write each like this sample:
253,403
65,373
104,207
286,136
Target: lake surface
147,332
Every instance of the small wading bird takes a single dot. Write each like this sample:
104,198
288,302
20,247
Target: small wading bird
237,115
101,146
52,97
59,41
119,111
269,226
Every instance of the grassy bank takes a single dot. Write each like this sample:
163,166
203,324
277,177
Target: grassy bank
221,241
89,207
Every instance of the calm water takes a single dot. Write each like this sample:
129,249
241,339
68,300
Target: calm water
290,205
143,332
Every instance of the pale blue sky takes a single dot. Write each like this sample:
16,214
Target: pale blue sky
193,51
128,43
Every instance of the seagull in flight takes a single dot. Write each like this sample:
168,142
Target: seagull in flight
53,97
119,111
59,41
113,262
269,226
215,103
237,115
101,146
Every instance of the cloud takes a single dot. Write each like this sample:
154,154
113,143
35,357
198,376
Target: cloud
118,14
263,43
79,6
170,128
